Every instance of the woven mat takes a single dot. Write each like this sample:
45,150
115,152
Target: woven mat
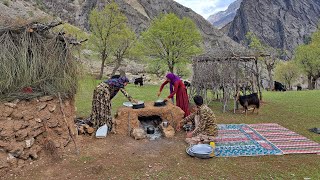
241,140
287,141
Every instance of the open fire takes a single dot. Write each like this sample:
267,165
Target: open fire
151,126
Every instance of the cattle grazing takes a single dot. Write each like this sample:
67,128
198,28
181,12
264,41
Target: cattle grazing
279,87
299,88
138,81
249,100
187,84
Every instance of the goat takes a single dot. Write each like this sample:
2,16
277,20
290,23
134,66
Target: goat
138,81
249,100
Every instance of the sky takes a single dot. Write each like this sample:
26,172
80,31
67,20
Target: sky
206,7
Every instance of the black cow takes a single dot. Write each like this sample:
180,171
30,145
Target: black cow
279,87
138,81
299,88
249,100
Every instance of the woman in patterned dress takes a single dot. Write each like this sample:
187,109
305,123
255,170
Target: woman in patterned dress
177,88
101,101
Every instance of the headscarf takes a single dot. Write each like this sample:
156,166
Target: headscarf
173,78
117,82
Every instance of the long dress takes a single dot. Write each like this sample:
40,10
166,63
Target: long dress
182,99
101,104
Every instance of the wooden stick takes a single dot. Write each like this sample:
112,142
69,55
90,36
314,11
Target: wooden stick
129,128
69,129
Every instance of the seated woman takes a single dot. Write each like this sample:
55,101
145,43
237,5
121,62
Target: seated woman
205,127
177,88
101,101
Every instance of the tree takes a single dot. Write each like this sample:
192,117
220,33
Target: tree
157,67
287,72
103,25
122,46
308,58
183,71
254,43
172,40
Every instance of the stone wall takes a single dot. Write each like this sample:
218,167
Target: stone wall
26,126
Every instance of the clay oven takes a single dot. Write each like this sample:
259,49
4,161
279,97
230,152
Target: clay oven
128,119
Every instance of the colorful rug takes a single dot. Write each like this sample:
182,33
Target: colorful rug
240,140
287,141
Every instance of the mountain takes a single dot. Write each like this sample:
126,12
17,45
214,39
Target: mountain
282,24
139,14
222,18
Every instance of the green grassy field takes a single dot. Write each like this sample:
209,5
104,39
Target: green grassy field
297,111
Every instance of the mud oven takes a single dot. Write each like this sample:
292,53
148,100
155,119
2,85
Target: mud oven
136,122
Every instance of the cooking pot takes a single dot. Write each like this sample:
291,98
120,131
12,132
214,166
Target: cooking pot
159,103
138,105
150,130
165,124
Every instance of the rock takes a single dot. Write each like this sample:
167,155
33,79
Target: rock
12,105
29,142
28,117
17,114
52,108
88,129
7,111
3,144
11,160
57,144
21,163
81,130
52,123
37,126
16,149
45,98
21,135
32,152
18,125
58,131
139,133
3,164
42,106
168,132
6,134
37,132
38,120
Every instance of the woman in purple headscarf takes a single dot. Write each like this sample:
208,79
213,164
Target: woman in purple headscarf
101,101
177,88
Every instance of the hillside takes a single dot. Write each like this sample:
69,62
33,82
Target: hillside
282,24
139,14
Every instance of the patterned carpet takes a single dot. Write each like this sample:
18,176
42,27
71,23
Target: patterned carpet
287,141
241,140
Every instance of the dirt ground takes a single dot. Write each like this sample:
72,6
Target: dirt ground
113,157
119,157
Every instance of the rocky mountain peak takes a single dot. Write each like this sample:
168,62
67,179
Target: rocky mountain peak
221,18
